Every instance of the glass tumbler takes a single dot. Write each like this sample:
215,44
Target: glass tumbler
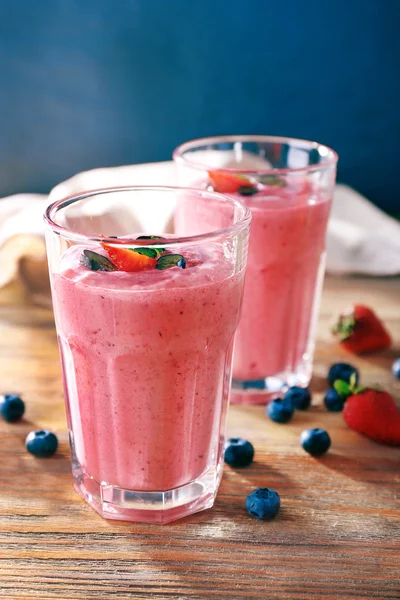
288,185
146,322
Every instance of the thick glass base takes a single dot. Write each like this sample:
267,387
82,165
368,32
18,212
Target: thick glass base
261,391
158,507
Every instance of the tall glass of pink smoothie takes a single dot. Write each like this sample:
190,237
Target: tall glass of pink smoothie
288,185
146,323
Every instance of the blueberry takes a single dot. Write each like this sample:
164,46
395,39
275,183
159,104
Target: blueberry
247,190
280,410
42,443
342,371
333,400
299,397
263,503
11,407
315,441
396,368
238,452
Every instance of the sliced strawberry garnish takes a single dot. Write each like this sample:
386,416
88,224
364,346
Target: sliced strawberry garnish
360,330
132,259
228,183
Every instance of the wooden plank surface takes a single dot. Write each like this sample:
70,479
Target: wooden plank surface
337,536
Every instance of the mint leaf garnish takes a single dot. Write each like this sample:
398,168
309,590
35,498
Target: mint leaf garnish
272,180
150,252
171,260
96,262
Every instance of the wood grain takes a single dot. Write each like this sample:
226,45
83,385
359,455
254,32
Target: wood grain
337,536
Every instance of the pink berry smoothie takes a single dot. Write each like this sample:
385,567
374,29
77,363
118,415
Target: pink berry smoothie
284,274
146,361
285,269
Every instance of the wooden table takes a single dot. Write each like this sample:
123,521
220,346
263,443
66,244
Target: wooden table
337,536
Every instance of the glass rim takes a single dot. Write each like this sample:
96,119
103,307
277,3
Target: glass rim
67,233
180,157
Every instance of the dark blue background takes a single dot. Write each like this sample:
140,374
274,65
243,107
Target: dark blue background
89,83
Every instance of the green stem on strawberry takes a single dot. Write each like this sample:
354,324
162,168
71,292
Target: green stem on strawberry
344,327
345,389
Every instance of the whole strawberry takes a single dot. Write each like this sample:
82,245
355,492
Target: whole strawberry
374,414
360,330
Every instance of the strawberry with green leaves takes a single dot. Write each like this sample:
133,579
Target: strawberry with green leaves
336,396
374,413
360,330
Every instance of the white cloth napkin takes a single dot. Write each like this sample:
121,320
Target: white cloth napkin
361,238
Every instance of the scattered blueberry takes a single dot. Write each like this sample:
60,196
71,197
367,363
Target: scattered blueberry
333,400
315,441
11,407
42,443
396,368
342,371
280,410
263,503
299,397
238,452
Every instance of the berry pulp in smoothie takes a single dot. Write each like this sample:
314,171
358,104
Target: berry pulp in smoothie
284,274
146,362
